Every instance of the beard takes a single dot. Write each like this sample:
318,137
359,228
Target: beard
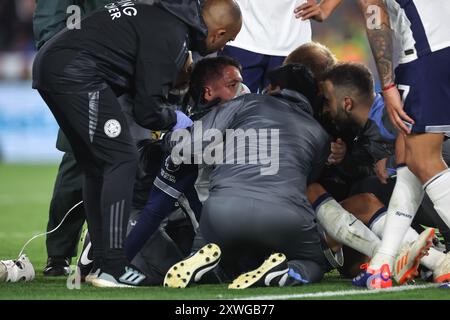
343,121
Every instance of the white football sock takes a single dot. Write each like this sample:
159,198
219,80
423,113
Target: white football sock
434,257
345,227
438,189
377,222
377,226
405,200
431,261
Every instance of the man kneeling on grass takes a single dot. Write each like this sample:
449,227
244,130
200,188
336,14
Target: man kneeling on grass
257,208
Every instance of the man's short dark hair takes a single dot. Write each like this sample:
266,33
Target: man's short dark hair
207,70
295,77
313,55
355,77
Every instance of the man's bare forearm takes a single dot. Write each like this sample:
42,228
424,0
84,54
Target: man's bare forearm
379,34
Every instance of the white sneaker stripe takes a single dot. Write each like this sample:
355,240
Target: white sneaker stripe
273,275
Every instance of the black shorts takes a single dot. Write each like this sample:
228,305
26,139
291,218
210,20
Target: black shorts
425,87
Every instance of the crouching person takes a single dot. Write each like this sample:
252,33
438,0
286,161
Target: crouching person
257,216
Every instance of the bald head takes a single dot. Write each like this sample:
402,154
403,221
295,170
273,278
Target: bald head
223,13
224,21
317,57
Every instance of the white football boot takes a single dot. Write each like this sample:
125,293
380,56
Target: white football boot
16,270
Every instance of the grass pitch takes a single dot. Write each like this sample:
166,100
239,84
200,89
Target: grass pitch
25,193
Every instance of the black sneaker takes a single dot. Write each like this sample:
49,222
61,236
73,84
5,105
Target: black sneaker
126,277
273,272
183,273
57,267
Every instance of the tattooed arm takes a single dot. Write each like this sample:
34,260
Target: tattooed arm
380,38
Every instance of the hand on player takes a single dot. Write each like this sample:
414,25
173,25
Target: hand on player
394,107
381,171
309,10
338,151
183,121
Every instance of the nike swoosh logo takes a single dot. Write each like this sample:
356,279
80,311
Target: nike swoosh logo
352,223
84,260
273,275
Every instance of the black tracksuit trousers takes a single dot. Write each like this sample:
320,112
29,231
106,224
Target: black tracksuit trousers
67,192
102,145
248,231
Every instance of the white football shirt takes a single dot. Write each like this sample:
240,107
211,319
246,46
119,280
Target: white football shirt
420,26
270,27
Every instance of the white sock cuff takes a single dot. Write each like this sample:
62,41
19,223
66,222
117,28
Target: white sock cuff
381,213
377,225
436,177
408,176
324,198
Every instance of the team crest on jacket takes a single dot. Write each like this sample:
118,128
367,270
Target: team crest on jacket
113,128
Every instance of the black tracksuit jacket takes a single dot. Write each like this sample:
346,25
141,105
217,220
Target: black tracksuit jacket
132,48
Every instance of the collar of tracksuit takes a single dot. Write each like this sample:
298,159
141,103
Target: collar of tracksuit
295,97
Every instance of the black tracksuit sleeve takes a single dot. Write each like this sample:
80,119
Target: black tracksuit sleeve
157,67
322,153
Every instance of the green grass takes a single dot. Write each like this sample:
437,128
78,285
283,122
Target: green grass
25,193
